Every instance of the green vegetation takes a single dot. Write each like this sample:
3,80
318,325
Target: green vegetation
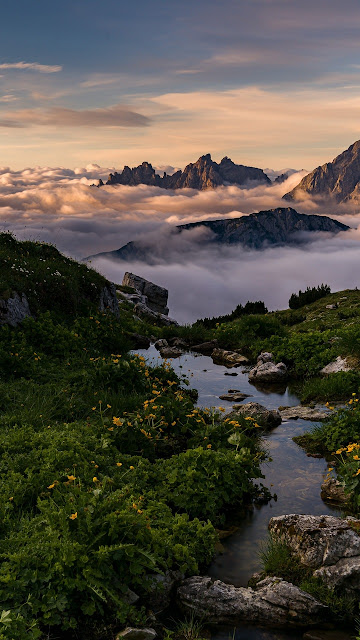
311,294
108,473
278,560
249,309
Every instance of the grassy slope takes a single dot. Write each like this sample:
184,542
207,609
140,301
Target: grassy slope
104,462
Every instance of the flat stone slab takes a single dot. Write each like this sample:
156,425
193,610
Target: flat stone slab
304,413
131,633
234,397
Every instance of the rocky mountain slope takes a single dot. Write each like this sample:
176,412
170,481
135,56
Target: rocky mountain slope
274,227
339,179
203,174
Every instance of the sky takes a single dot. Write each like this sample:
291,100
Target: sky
270,83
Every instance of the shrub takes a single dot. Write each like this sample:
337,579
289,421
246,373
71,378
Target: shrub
311,294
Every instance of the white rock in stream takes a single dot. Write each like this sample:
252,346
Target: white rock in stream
272,602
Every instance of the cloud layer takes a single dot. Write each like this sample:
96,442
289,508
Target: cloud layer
58,205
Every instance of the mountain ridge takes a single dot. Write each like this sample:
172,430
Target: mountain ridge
203,174
272,227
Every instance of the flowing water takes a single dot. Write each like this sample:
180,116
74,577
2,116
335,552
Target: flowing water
293,476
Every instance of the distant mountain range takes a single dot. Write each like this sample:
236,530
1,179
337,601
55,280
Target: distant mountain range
339,179
203,174
282,226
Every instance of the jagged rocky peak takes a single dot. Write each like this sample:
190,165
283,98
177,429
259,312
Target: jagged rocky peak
338,180
205,173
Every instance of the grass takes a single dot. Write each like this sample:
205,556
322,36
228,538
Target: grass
339,386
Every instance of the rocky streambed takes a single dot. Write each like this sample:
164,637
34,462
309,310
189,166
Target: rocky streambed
295,478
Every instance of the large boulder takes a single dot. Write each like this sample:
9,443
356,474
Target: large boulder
14,310
157,296
272,602
340,364
266,418
144,312
332,491
228,358
206,348
266,372
329,545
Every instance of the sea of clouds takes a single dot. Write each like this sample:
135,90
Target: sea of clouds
60,206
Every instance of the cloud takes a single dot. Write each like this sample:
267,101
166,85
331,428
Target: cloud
58,205
31,66
115,116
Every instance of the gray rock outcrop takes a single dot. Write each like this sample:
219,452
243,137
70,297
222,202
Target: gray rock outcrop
143,311
156,296
339,179
109,300
272,602
329,545
340,364
14,310
266,418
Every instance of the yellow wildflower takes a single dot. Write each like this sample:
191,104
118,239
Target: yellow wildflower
51,486
73,516
71,478
208,446
95,479
119,464
131,467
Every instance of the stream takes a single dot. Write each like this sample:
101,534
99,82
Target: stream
293,476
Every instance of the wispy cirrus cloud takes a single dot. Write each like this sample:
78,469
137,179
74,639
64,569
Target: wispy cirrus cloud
31,66
114,116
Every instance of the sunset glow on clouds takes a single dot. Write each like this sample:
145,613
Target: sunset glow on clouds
267,83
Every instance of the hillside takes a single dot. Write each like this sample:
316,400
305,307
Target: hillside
202,174
339,179
283,226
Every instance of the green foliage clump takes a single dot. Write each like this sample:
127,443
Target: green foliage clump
311,294
334,387
108,474
250,308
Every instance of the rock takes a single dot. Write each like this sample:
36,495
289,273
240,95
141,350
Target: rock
230,374
178,342
153,317
131,597
340,364
14,310
228,358
205,348
268,372
161,589
333,491
266,418
327,634
109,300
157,297
265,356
171,352
161,344
304,413
331,306
327,544
273,602
234,396
138,341
131,633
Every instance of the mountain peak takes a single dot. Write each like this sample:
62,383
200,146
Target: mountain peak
205,173
338,180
